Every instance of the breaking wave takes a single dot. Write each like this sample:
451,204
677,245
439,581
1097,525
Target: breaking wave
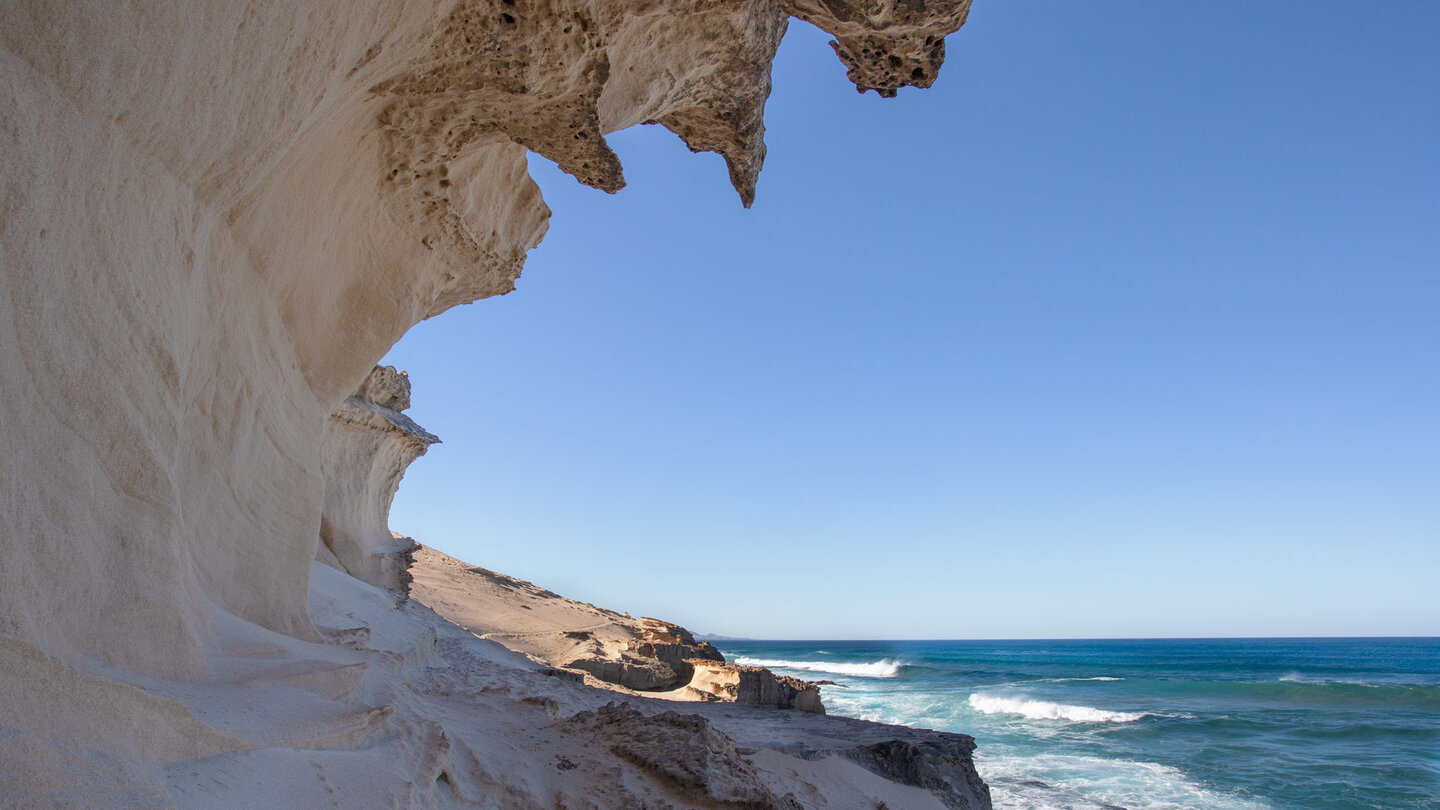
884,668
1045,710
1052,781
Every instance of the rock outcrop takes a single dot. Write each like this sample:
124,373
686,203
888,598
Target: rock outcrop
367,447
673,645
686,752
658,656
942,766
215,218
754,686
643,655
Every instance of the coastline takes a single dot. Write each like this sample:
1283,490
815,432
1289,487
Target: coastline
218,217
1156,724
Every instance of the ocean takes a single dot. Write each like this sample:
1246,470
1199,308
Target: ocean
1177,724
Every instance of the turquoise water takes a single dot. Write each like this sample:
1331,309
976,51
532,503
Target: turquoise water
1233,724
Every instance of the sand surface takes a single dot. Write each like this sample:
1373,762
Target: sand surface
522,616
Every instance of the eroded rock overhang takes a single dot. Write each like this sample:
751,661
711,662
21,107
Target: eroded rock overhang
216,217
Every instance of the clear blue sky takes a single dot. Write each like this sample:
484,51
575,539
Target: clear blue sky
1130,326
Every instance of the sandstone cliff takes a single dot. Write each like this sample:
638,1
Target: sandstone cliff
216,218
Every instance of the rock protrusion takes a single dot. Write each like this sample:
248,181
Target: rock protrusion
656,659
387,387
368,445
944,766
754,686
684,751
672,645
629,671
887,45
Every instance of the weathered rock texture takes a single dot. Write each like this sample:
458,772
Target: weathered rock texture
656,656
941,765
686,752
217,216
754,686
674,645
368,445
638,660
644,655
886,44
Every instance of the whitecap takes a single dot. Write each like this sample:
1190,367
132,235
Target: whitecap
1056,781
847,706
884,668
1297,677
1045,710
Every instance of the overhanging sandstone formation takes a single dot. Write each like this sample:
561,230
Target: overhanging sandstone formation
217,216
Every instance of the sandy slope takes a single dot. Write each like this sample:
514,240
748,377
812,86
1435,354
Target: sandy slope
400,708
414,710
518,614
612,651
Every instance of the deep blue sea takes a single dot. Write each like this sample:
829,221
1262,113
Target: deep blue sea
1292,724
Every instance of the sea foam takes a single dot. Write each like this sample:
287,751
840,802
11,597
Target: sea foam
1051,781
1045,710
884,668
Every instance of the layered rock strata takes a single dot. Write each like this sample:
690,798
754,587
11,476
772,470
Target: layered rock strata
657,656
753,686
